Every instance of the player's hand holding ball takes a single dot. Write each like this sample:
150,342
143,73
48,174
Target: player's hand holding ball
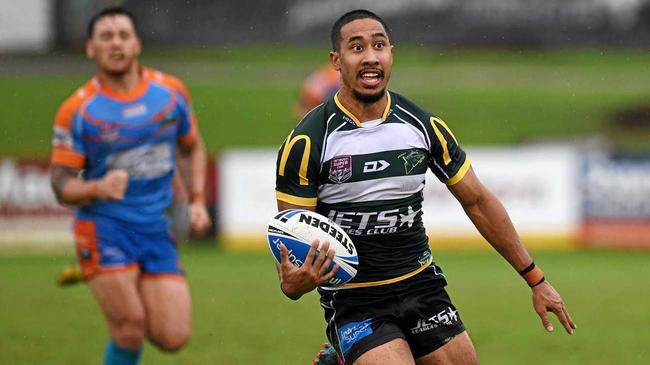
112,186
296,281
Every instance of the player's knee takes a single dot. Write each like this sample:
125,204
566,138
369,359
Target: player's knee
128,331
171,341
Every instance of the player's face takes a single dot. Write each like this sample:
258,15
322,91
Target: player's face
114,45
364,59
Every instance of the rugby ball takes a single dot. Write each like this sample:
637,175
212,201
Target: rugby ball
298,228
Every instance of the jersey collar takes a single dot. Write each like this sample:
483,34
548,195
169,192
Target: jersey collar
356,120
132,95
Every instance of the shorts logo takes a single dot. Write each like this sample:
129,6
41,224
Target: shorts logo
445,317
352,332
340,169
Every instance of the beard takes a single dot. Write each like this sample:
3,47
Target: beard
368,98
120,71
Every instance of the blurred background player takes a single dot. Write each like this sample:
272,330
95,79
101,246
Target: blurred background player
319,86
396,310
177,214
114,149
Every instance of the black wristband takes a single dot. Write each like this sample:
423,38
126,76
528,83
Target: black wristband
539,282
528,269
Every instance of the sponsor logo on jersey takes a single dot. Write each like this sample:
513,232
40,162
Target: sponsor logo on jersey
445,317
61,137
148,162
379,222
375,166
340,169
412,159
109,133
169,119
134,110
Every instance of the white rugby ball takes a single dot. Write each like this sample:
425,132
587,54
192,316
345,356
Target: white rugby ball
298,228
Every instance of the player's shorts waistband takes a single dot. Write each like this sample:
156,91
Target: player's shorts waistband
386,281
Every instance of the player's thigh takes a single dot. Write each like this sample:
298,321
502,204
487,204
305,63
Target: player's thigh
395,352
118,296
167,303
459,350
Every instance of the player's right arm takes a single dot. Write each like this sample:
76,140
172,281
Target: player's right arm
72,190
452,166
68,159
296,188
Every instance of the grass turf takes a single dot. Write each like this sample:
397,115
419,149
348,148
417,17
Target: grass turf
240,316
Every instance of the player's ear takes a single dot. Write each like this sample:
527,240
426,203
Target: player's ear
90,52
335,60
138,49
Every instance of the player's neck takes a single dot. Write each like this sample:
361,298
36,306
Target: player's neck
123,83
363,111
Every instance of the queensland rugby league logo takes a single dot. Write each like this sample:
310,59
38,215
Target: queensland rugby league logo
340,169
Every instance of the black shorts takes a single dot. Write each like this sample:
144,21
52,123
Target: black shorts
416,309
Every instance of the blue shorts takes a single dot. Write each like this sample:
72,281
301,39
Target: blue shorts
107,245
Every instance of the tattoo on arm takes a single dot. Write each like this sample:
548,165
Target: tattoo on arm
185,149
59,176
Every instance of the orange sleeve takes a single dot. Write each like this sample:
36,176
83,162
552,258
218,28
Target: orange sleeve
63,140
176,84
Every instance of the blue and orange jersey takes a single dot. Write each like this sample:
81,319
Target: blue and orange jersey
98,129
319,86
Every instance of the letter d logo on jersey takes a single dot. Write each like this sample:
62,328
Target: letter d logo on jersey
375,166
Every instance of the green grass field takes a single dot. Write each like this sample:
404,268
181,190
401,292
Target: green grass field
240,316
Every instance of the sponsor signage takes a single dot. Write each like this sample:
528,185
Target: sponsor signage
616,201
537,185
25,190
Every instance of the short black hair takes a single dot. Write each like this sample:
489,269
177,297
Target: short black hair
110,11
335,34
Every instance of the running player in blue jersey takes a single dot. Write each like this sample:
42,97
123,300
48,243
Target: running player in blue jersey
360,159
113,158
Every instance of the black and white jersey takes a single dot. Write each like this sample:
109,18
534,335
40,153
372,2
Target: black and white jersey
368,178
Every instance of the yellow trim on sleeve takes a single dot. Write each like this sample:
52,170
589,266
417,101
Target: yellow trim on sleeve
461,172
304,161
442,122
443,142
296,200
388,281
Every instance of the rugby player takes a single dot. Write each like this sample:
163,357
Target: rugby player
114,146
360,159
319,86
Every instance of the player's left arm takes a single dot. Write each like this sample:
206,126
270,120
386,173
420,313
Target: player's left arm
194,156
192,160
492,221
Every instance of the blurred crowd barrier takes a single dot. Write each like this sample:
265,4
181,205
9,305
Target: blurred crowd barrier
557,196
39,25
